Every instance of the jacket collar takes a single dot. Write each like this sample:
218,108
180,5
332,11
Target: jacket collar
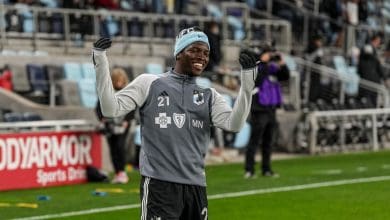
181,77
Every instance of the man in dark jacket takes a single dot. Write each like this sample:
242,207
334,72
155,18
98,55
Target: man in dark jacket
370,68
263,110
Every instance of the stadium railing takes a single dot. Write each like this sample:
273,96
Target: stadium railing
306,67
361,129
149,32
344,122
49,125
312,16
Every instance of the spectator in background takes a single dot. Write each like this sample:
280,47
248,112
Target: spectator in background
215,57
214,36
352,17
332,29
6,79
265,101
315,53
386,55
290,10
181,6
80,24
108,4
363,11
370,68
116,130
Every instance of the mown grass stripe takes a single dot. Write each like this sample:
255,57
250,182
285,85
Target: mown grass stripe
221,196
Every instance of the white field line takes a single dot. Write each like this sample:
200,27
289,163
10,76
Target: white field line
386,166
221,196
329,172
300,187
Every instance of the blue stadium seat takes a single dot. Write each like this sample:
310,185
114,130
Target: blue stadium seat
238,27
348,72
49,3
352,87
88,71
109,26
13,117
135,27
203,82
214,11
57,23
340,65
242,137
38,78
154,68
28,22
43,22
73,71
3,23
31,116
88,94
290,62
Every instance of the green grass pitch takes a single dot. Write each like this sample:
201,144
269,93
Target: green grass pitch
344,186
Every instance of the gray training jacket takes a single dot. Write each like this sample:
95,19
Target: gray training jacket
176,117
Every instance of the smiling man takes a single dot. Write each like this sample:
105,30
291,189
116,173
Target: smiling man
176,117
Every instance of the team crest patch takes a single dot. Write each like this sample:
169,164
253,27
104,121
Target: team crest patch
198,98
162,120
179,119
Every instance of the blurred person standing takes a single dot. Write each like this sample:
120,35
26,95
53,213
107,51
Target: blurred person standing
370,67
214,36
314,53
265,101
116,130
176,117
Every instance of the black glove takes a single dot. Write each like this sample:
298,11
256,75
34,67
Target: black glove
102,44
248,59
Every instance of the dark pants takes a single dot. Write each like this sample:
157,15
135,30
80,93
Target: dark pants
162,200
118,151
264,126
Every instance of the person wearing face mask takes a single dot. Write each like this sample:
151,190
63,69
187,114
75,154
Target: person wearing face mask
116,130
176,116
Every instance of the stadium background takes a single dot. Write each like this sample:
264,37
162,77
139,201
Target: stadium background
48,86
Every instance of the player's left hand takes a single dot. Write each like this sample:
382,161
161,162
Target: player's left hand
102,44
248,59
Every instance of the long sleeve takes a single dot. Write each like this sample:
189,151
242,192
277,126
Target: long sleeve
122,102
223,116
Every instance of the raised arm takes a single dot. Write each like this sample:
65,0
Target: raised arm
114,103
223,116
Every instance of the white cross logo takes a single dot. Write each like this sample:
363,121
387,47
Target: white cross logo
162,120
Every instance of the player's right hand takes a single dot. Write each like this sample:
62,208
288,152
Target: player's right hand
102,44
248,59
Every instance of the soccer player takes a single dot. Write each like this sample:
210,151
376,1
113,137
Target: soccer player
176,117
